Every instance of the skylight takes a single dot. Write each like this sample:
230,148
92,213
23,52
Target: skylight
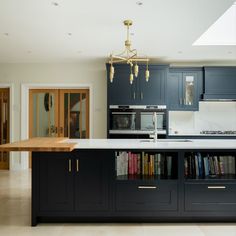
222,32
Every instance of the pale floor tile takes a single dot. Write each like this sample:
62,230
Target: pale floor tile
15,218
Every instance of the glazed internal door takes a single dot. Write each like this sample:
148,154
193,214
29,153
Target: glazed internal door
4,126
43,111
74,113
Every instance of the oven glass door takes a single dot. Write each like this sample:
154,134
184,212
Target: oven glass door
147,121
123,120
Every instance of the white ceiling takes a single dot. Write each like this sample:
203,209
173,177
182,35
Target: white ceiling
37,30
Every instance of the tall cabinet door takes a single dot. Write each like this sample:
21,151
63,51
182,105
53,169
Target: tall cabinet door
92,180
153,91
56,182
175,91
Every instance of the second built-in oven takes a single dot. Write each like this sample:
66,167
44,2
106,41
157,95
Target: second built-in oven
136,121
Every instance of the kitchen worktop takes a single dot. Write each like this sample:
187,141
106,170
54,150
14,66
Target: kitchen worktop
40,145
66,145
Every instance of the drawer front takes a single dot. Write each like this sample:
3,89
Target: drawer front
210,197
146,197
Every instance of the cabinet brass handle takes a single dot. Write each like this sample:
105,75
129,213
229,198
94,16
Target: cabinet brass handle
216,187
69,165
77,165
147,187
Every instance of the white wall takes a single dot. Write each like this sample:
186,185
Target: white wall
211,116
88,72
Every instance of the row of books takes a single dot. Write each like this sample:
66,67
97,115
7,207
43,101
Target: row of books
197,165
128,163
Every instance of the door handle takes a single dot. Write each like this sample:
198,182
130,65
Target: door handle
69,167
147,187
77,165
216,187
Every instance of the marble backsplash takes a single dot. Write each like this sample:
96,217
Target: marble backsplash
211,116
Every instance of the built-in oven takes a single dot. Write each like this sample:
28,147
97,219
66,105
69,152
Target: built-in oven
136,121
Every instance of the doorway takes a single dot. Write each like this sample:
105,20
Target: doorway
59,113
4,125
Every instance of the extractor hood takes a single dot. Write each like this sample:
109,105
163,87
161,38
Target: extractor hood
219,84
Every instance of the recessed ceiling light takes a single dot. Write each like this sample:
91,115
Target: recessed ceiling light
139,3
69,34
56,4
180,52
6,34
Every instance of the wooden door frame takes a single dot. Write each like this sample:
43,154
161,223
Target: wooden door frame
25,110
13,165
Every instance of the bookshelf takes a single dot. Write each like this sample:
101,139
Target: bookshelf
209,166
146,165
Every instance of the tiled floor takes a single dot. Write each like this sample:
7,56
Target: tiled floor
15,218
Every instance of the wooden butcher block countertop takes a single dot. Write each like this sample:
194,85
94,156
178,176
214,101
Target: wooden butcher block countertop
39,145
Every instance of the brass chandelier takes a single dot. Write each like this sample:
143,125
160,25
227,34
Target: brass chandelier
129,56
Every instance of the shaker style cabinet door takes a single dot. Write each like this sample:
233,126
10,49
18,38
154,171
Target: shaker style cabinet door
92,180
56,182
153,92
120,91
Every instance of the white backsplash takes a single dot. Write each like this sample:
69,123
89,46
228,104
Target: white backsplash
211,116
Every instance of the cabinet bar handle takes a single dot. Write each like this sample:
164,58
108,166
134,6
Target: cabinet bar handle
180,101
216,187
134,95
77,165
141,95
147,187
69,165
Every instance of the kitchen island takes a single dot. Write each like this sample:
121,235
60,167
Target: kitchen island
90,180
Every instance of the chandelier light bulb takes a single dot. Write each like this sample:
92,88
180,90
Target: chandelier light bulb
147,75
131,78
136,70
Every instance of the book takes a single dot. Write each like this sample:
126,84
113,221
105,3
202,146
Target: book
159,164
222,165
169,165
139,164
216,165
206,166
196,165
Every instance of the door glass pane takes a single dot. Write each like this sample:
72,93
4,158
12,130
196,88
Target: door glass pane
75,109
189,90
83,116
66,96
44,115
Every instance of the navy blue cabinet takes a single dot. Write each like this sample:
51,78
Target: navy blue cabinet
74,182
56,182
220,83
184,88
121,92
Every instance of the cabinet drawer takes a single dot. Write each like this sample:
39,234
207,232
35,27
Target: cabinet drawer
210,197
146,197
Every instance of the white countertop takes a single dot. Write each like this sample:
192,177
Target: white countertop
161,144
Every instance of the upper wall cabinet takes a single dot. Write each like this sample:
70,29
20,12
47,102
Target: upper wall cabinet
220,83
153,92
184,89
